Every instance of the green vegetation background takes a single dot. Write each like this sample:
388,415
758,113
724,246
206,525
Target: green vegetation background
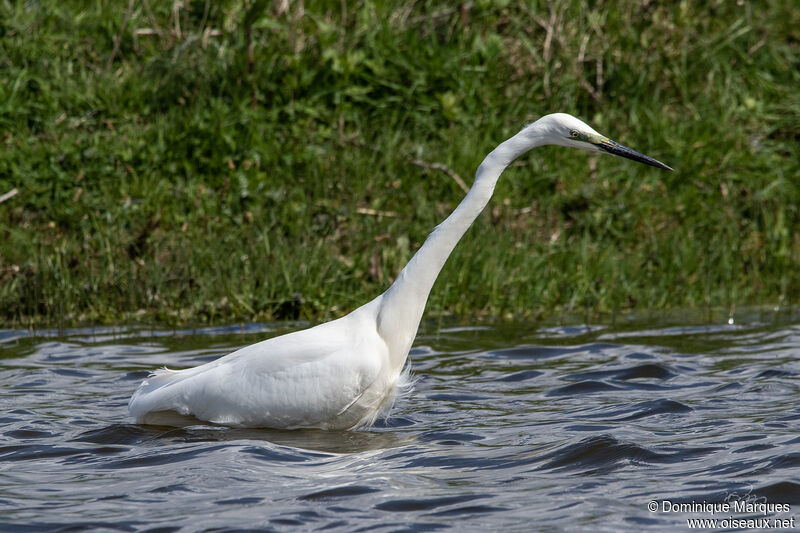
249,160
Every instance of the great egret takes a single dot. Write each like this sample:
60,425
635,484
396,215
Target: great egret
345,373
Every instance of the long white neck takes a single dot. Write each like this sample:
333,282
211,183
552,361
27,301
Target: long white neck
402,305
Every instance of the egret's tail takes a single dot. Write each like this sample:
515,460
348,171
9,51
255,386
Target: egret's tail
156,393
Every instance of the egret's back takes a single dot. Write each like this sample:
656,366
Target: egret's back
333,376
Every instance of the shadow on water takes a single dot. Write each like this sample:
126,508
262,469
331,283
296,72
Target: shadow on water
194,431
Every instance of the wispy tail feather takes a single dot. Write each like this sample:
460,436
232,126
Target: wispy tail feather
153,393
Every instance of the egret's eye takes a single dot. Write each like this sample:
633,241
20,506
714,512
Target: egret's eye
574,134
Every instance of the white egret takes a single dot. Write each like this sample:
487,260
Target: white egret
345,373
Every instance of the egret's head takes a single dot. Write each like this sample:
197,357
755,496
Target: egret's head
565,130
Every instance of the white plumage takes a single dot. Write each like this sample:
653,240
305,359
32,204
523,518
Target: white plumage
345,373
336,375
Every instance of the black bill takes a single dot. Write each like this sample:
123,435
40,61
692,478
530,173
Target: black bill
615,148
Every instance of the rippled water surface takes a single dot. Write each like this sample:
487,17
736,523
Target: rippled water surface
514,428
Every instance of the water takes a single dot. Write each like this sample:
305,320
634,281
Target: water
515,428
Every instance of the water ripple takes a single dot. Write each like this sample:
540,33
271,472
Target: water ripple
515,427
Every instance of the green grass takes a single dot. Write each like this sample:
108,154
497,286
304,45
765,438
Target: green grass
176,181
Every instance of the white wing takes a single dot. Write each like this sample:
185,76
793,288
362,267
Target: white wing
316,377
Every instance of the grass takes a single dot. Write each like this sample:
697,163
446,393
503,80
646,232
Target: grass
249,160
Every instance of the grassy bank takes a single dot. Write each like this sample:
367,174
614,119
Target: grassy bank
219,161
